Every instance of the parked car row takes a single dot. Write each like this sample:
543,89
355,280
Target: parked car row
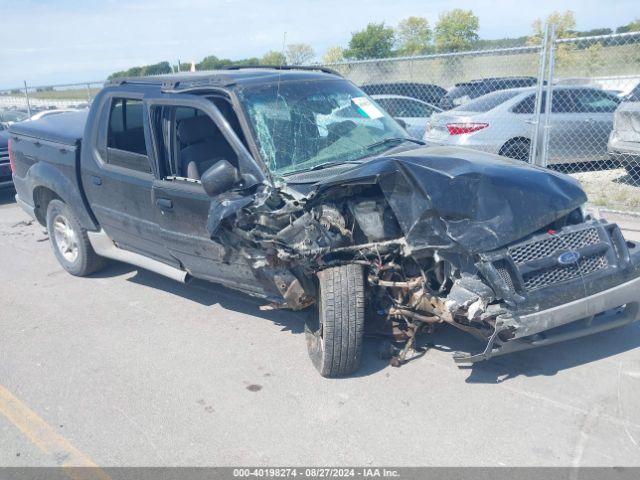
624,141
581,119
497,115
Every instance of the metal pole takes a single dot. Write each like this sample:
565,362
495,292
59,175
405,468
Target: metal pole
549,99
533,151
26,95
88,93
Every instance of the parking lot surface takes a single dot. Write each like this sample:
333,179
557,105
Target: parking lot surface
129,368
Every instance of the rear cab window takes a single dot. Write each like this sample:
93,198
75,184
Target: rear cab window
126,144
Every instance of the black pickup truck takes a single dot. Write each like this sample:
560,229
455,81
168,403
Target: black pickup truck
293,185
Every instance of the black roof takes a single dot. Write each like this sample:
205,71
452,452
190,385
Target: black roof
227,77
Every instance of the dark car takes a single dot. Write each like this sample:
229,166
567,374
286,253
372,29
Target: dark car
422,91
461,93
294,186
5,167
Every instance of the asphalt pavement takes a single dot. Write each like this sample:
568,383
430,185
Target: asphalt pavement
129,368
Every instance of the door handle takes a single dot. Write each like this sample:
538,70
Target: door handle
164,203
96,180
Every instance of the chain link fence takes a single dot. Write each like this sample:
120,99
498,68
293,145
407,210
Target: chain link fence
18,104
496,101
493,100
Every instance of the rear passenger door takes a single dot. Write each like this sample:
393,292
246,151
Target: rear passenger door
566,143
118,179
596,109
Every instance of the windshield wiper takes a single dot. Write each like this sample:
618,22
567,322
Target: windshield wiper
387,141
322,166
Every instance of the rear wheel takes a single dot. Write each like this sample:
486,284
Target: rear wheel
518,149
335,336
70,241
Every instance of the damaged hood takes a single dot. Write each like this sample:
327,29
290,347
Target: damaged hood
452,198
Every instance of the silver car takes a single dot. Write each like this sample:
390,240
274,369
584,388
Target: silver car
502,122
412,112
624,141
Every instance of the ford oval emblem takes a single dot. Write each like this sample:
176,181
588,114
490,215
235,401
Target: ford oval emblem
567,258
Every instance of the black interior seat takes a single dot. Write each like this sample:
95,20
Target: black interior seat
202,145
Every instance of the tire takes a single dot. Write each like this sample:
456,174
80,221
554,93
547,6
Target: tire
335,336
516,149
70,242
633,170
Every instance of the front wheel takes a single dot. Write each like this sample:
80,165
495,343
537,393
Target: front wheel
335,336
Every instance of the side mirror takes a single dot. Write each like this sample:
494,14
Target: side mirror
219,178
402,123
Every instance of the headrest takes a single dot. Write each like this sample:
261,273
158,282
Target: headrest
196,129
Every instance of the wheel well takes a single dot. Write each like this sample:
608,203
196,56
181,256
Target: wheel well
41,198
511,141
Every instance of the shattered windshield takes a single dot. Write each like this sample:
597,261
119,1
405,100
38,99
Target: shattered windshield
302,124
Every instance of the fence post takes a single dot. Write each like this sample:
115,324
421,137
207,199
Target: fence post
549,97
26,95
533,151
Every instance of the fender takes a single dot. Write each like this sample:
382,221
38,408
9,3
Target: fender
43,174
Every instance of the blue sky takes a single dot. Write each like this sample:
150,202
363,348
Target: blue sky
70,40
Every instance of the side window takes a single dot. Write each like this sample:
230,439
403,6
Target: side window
525,106
594,101
192,142
413,109
126,145
562,102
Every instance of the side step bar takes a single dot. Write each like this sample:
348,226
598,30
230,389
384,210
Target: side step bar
105,247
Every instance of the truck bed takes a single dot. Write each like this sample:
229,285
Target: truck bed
66,128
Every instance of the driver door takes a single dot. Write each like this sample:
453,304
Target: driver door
189,141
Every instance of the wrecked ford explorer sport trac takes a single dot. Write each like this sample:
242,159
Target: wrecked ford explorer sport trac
293,185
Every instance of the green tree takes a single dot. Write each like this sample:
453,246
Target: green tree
456,30
213,63
157,69
374,41
333,55
565,26
299,53
273,58
413,36
630,27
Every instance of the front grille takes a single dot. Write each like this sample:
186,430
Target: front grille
536,264
584,266
554,244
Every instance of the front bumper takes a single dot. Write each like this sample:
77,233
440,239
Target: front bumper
600,295
583,327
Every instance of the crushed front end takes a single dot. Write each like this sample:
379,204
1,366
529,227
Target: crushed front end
498,250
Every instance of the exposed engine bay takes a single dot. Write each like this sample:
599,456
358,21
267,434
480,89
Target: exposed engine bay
370,218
